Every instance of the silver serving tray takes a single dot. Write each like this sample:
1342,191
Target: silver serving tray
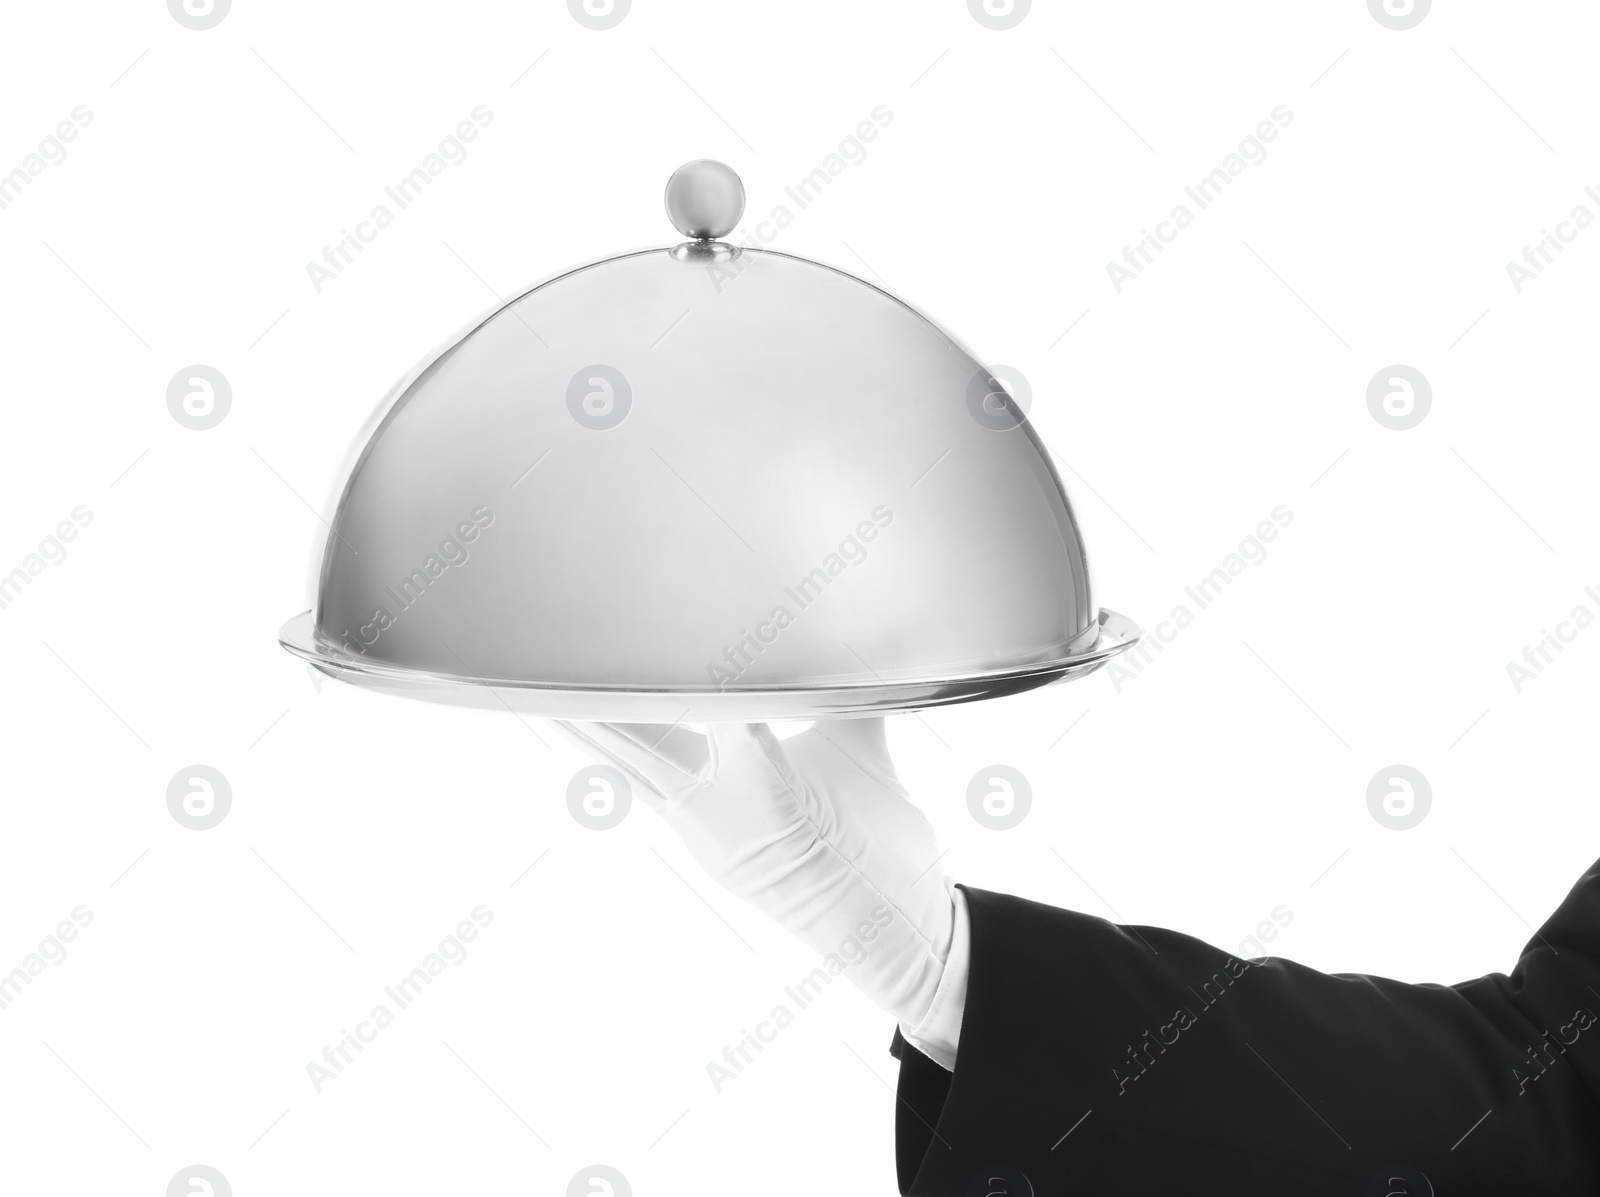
624,704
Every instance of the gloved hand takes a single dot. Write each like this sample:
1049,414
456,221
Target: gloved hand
816,831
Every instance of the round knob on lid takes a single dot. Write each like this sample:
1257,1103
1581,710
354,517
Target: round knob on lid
704,199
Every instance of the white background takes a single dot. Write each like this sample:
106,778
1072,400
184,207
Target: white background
1228,779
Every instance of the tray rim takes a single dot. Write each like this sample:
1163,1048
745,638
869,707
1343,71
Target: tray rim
1115,634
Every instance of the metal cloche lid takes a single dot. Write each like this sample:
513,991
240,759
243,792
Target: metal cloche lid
704,483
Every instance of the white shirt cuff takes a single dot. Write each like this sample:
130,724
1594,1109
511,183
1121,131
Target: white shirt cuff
939,1031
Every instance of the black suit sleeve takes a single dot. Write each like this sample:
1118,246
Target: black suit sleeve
1096,1058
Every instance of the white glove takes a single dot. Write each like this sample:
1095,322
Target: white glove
818,833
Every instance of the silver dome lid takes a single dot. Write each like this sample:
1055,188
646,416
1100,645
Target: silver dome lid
704,483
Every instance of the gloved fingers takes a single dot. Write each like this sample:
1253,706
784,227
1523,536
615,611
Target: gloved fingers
863,741
646,749
746,752
867,735
676,747
655,782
